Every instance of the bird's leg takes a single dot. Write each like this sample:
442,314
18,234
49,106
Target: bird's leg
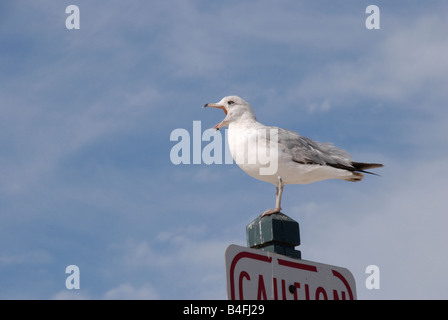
278,199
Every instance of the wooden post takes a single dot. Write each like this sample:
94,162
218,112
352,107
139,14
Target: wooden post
275,233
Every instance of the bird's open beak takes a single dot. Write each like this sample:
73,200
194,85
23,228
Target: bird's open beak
223,108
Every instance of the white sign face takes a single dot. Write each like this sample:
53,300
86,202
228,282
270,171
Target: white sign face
254,274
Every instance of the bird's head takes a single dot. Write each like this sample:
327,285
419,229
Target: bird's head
235,109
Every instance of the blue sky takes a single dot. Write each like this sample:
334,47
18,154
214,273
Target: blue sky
86,117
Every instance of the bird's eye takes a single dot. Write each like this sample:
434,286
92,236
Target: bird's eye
230,102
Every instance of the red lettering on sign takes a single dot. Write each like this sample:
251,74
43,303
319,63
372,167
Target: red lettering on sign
239,256
320,290
307,292
243,274
297,285
283,289
345,282
336,296
261,289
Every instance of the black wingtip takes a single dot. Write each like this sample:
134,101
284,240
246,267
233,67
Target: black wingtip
362,166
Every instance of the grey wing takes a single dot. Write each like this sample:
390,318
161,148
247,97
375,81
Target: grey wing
305,150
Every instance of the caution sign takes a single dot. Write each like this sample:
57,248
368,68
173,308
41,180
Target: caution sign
254,274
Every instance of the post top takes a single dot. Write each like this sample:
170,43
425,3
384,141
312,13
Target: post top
276,233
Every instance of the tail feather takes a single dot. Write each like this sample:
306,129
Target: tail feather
362,165
356,168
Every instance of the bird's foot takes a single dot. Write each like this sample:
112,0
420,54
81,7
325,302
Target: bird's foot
271,211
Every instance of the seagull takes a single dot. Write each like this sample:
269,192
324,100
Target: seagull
281,156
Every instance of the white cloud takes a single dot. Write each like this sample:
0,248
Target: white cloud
399,67
126,291
184,257
34,257
73,95
71,295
